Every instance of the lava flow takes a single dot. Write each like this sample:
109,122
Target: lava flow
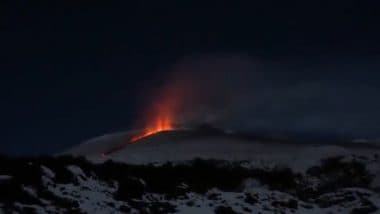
161,116
162,113
161,123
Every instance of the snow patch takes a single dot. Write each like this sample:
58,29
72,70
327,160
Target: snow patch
30,191
75,170
95,196
5,177
48,172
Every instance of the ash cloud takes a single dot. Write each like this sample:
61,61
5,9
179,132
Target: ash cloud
241,93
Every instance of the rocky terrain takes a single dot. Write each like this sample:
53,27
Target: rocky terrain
341,184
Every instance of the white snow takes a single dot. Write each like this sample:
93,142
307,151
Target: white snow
95,195
40,209
142,182
30,190
75,170
172,147
96,146
47,171
165,147
183,186
5,177
197,203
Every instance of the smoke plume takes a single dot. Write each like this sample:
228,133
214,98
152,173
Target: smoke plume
241,93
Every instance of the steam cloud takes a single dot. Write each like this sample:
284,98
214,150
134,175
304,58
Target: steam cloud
240,93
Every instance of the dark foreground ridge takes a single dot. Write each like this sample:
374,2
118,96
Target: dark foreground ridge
74,185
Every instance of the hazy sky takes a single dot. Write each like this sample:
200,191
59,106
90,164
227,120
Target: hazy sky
74,71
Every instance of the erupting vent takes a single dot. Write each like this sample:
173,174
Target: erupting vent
161,123
161,115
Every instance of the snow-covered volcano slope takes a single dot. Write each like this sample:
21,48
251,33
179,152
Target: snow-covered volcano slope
184,145
73,185
249,176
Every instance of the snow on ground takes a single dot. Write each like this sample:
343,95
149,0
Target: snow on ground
90,194
260,200
95,196
181,146
96,146
172,146
5,177
30,190
36,208
86,192
47,171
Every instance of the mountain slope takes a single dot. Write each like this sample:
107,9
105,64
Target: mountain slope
73,185
185,145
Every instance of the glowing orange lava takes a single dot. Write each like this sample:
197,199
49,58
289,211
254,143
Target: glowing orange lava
161,123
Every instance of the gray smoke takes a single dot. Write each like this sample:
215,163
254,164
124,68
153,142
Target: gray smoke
246,94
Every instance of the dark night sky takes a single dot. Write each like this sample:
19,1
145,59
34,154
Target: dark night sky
73,71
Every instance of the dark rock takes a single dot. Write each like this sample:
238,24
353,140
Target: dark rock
250,199
213,196
291,204
224,210
125,209
190,203
247,209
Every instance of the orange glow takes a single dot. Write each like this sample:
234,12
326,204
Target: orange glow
161,123
162,113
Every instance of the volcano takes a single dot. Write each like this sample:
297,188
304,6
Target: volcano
209,143
166,168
